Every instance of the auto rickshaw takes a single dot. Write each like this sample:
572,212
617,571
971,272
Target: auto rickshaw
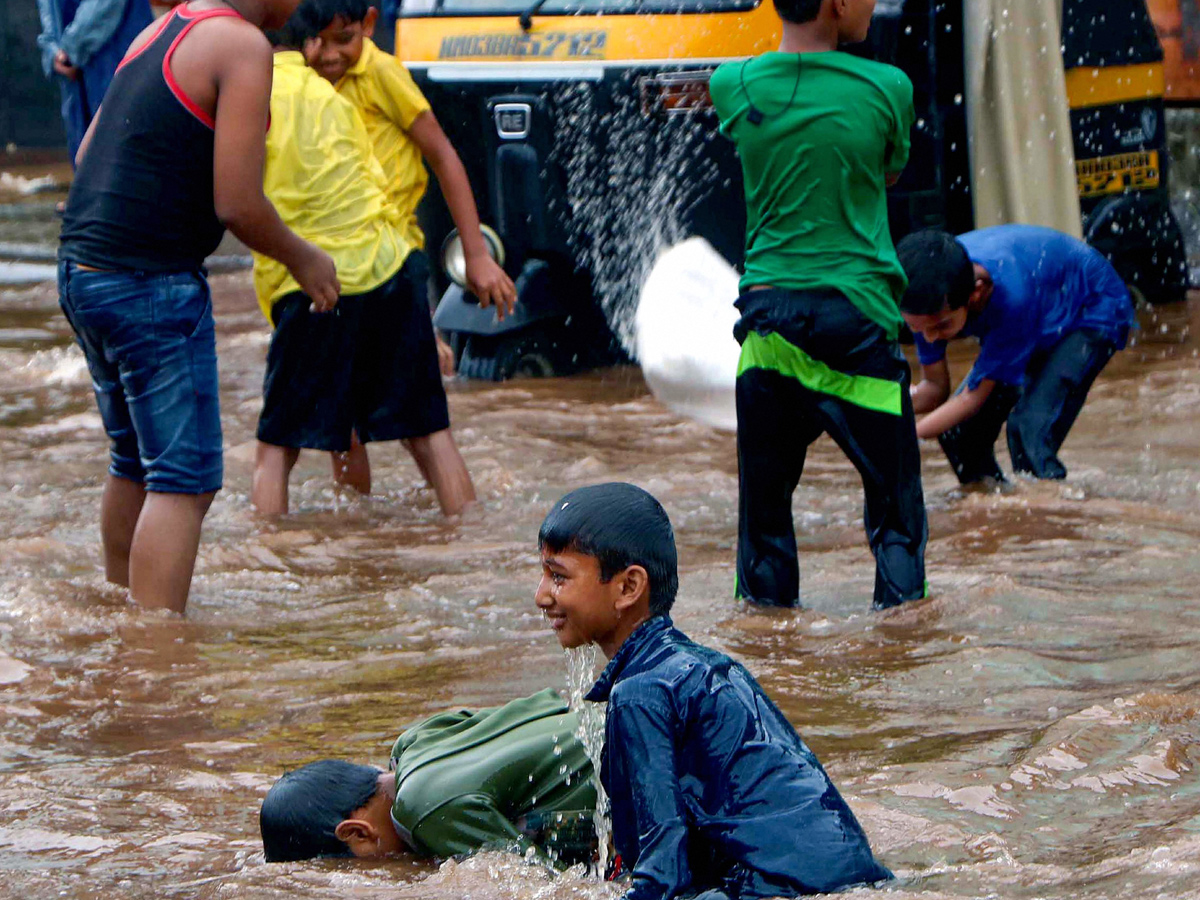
588,134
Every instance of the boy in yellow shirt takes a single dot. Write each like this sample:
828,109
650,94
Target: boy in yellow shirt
405,134
370,367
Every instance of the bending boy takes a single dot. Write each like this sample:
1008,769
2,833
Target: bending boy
368,372
711,787
1049,312
819,132
511,777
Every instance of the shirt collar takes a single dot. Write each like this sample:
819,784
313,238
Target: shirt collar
642,636
363,62
289,59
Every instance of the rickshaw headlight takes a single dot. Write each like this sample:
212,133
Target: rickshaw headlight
454,261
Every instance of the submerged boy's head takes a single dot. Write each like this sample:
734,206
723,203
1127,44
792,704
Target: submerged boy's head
941,283
336,31
852,17
326,808
608,562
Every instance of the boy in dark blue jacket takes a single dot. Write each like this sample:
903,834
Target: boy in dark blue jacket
712,790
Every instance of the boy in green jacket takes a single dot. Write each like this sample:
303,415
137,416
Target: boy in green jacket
509,777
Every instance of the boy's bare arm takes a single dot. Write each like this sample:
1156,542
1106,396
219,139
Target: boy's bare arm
955,411
933,388
486,279
243,86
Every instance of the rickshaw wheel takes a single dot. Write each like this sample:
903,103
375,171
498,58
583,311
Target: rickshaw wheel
522,354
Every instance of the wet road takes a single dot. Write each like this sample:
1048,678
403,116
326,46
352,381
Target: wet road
1031,730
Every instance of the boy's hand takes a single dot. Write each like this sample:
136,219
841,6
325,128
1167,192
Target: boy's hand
490,284
316,274
445,357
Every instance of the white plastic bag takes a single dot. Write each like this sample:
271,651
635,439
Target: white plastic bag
684,333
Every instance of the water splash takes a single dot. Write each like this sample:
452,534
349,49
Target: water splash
581,673
625,197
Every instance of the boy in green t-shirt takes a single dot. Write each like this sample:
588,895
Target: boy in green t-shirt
820,134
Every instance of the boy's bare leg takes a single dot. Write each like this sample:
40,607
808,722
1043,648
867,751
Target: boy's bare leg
437,456
353,468
164,548
120,507
269,487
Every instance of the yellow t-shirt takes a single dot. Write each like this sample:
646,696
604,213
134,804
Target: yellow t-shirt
389,101
326,184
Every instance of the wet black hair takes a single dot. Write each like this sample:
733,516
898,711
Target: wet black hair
798,11
302,809
292,34
319,14
620,525
939,273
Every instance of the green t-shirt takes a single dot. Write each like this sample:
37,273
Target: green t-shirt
513,776
833,127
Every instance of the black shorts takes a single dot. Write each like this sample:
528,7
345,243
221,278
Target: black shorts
369,366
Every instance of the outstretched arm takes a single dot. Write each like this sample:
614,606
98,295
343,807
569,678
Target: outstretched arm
486,279
239,152
956,410
933,388
644,759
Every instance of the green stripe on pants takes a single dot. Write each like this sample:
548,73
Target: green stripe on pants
770,351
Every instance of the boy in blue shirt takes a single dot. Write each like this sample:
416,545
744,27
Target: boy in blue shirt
1049,312
712,790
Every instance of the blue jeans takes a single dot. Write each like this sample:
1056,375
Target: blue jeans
151,350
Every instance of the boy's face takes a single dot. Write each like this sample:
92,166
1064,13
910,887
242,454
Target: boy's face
581,608
854,19
940,326
339,45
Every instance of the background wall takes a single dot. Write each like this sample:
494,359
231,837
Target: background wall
29,102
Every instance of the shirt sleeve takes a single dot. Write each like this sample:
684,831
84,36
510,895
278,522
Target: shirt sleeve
644,759
47,41
397,94
1004,352
95,23
466,824
927,353
903,116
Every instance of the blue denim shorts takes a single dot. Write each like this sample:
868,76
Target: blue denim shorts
152,353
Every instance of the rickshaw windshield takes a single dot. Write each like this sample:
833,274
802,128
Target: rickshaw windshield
412,8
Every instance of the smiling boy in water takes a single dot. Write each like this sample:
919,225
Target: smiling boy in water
712,789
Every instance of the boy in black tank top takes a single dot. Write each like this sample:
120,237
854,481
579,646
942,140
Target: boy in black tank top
162,171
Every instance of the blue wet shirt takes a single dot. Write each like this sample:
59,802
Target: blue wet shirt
711,786
1046,285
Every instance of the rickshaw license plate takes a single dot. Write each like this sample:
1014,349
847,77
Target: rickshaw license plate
1117,174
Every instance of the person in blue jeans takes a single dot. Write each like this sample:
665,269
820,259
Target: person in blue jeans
713,792
191,98
82,42
1049,312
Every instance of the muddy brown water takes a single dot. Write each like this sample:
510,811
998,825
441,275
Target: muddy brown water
1031,730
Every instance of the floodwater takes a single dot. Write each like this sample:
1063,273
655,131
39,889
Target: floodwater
1031,730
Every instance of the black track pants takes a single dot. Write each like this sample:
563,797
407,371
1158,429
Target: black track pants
1039,416
848,379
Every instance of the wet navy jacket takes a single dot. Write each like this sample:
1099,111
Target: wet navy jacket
711,787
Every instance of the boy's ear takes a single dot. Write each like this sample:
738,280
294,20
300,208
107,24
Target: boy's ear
633,584
359,835
369,20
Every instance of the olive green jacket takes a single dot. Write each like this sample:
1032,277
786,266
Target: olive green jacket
505,777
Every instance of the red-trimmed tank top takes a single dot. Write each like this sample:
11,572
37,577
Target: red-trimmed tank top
142,197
